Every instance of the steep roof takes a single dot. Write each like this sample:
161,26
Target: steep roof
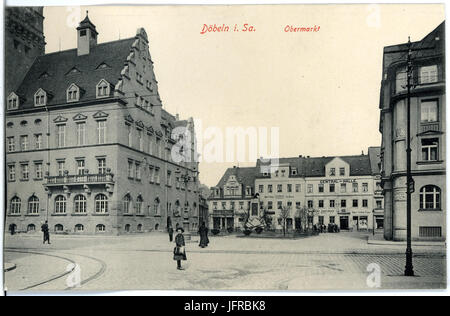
245,176
52,72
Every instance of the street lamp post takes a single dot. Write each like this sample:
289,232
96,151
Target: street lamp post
185,178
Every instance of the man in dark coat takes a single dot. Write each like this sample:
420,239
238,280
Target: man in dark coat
203,232
45,230
179,253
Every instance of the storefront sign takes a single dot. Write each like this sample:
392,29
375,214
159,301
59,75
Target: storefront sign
338,181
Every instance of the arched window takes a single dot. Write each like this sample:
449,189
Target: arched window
156,226
103,89
139,202
60,205
139,227
430,198
156,207
126,204
79,228
100,228
59,228
177,208
101,203
33,205
80,204
31,228
127,228
73,93
15,205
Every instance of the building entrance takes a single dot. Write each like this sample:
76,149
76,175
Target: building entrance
344,222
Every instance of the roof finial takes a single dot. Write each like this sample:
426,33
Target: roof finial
87,13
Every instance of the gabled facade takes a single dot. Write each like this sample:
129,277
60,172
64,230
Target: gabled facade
93,155
428,127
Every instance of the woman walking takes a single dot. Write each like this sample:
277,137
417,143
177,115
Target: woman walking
203,232
179,252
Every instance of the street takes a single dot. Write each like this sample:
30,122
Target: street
144,262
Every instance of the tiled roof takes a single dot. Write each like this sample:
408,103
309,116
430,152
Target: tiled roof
245,176
315,166
51,72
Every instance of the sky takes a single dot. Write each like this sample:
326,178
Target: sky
321,89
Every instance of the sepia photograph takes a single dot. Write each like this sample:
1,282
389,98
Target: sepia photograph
249,147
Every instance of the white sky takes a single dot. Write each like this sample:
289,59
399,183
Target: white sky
321,89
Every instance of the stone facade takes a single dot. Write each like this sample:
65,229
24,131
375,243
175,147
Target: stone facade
427,139
94,155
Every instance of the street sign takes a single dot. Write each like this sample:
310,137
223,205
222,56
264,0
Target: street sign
411,186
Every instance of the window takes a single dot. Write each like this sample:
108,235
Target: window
298,188
37,141
400,80
270,188
428,74
332,203
38,174
24,142
126,204
61,166
379,204
156,207
365,203
101,132
81,133
130,169
140,139
60,135
13,101
261,189
101,204
355,187
101,162
342,172
430,198
280,205
343,187
365,187
429,111
11,173
100,228
279,188
83,33
321,188
355,203
332,187
80,167
60,205
130,136
138,171
73,93
343,203
25,171
332,219
321,203
297,205
270,205
103,89
11,144
310,188
79,228
139,203
430,232
31,228
40,98
59,228
80,204
15,205
332,172
430,149
310,204
289,188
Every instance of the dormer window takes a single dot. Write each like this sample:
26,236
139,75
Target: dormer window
103,89
40,98
13,101
73,93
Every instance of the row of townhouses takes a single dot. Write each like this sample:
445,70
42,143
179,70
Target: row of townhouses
342,190
88,143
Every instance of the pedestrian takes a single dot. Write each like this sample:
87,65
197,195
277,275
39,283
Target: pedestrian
45,230
179,252
203,232
12,229
170,228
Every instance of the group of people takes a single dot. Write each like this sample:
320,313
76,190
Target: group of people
179,252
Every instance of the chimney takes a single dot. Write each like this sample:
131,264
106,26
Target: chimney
177,117
87,36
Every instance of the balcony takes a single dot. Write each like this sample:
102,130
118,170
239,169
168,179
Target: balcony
67,181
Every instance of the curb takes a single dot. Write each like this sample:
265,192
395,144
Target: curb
9,267
371,241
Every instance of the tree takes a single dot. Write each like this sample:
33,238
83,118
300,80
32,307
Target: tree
285,213
305,214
